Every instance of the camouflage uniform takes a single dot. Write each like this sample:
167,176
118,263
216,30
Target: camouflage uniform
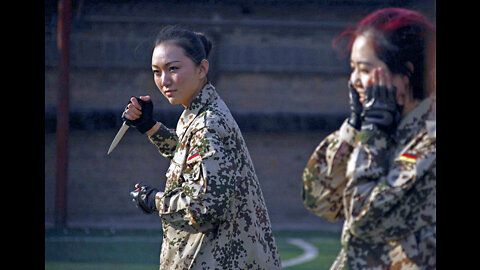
213,212
384,187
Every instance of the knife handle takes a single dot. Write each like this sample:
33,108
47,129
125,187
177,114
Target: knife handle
132,123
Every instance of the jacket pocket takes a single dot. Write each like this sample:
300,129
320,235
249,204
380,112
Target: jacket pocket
194,183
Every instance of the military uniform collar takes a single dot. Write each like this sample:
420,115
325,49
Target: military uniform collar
415,120
190,113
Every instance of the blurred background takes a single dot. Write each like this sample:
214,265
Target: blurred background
272,62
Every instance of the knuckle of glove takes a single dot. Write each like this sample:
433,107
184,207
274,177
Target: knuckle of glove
144,198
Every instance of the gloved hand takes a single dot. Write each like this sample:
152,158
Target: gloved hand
381,109
146,121
355,107
144,197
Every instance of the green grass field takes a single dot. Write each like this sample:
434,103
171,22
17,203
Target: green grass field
139,249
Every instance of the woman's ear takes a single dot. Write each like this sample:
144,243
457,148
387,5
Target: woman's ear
203,69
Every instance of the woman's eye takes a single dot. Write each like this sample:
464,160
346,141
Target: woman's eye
364,70
172,68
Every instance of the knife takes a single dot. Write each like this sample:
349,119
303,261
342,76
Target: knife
123,129
118,137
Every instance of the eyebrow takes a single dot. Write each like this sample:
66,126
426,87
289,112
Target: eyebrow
363,63
169,63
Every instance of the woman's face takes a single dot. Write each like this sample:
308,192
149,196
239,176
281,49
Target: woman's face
364,62
176,75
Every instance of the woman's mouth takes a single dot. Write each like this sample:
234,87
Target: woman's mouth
168,92
361,96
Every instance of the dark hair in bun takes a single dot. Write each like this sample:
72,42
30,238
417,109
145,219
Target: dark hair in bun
195,44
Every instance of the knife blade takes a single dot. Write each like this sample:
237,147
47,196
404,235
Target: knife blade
118,137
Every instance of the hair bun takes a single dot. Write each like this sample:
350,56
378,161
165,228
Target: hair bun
207,44
195,45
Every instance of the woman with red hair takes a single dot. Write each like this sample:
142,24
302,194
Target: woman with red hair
378,171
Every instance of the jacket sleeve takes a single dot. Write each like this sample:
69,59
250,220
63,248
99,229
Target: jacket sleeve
202,199
324,176
165,140
391,197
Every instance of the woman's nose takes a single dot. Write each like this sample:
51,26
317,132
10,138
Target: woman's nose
355,79
165,80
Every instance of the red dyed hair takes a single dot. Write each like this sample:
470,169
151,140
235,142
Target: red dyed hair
399,36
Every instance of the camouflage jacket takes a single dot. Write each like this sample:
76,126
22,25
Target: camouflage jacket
384,187
213,212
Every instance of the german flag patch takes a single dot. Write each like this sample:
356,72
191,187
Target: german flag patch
193,157
407,158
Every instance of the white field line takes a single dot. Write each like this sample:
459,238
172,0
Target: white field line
309,252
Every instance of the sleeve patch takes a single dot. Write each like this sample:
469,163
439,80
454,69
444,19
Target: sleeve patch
193,157
408,158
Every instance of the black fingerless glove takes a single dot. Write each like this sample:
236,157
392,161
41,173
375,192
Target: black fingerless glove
356,107
144,197
146,121
381,109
